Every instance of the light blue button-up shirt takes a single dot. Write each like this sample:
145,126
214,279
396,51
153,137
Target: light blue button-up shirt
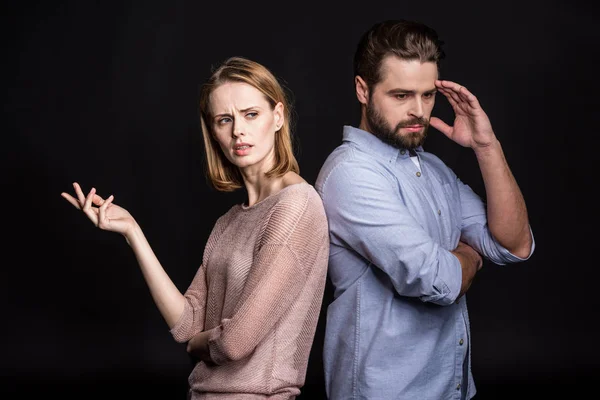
395,329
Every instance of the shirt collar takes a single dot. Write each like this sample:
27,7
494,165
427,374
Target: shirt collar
373,145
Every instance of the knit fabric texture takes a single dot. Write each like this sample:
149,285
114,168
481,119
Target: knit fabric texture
259,292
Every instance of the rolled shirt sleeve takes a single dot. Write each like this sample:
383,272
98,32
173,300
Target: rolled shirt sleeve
475,230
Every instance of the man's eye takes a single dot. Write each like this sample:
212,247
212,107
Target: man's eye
401,96
429,95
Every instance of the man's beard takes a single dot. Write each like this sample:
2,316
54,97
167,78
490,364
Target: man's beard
380,128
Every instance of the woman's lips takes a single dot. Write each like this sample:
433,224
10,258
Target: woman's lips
242,149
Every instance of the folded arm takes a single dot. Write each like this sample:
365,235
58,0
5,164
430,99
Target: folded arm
277,277
367,214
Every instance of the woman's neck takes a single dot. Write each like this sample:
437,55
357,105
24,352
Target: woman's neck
260,189
260,186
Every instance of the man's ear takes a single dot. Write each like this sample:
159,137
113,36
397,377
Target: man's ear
362,90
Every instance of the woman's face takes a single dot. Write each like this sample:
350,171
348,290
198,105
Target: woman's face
244,125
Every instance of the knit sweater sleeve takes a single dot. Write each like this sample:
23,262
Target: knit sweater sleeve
191,321
293,235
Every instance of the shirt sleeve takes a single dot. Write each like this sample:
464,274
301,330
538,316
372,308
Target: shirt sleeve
367,214
475,229
191,321
294,236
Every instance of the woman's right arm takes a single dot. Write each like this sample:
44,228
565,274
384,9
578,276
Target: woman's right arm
110,217
168,298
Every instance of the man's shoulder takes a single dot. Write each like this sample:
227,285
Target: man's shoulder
352,175
346,160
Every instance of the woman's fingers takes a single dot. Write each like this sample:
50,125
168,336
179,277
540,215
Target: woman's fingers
97,200
93,205
71,200
92,213
87,204
79,193
102,210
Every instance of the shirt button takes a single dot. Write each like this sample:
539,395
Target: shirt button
439,212
461,342
418,173
402,152
458,387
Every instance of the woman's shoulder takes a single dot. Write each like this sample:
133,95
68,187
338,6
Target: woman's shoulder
294,184
299,192
302,198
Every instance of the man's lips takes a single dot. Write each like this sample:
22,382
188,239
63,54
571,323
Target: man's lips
413,128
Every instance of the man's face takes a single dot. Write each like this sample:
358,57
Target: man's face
400,105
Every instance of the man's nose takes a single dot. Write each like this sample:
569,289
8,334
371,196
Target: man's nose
417,108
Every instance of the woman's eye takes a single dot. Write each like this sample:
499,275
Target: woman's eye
224,120
252,114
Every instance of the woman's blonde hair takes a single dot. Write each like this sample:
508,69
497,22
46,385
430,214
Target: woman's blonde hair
223,175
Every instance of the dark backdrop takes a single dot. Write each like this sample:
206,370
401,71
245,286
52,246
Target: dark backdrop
105,94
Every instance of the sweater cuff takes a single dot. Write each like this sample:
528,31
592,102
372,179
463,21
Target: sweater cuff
215,345
182,330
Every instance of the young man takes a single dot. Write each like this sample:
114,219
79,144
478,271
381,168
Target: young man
407,236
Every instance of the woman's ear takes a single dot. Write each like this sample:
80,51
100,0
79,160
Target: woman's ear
278,115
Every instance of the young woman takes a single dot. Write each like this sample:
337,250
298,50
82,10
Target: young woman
249,316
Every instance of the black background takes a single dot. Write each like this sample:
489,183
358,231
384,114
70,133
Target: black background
105,94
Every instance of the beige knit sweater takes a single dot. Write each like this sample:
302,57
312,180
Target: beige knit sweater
259,292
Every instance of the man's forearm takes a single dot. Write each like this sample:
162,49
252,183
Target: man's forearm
506,211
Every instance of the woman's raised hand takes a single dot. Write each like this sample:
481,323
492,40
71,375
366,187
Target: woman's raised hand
102,212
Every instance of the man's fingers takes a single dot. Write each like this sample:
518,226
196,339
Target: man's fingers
452,96
458,92
440,126
452,86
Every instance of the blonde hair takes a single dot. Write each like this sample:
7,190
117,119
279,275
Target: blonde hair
223,175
